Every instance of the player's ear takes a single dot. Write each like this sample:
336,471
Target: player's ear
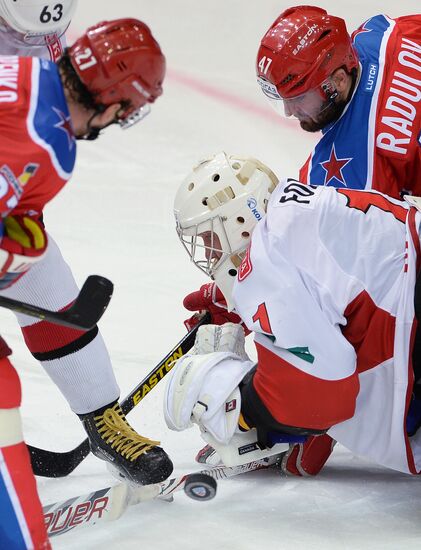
341,80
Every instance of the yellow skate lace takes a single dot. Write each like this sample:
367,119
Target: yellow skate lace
115,430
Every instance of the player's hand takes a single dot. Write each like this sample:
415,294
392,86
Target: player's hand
24,242
210,298
307,459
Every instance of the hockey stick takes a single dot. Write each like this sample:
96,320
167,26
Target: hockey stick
55,464
85,311
110,503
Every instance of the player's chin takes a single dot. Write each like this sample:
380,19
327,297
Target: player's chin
310,125
331,112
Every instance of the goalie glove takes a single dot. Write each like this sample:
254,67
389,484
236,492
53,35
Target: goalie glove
307,459
210,298
228,337
203,387
24,242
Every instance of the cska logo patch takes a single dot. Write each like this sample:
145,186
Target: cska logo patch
245,267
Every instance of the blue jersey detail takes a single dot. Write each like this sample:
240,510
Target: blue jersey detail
10,532
340,159
51,119
279,437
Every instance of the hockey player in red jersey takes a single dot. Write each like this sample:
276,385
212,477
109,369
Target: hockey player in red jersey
363,93
325,278
45,107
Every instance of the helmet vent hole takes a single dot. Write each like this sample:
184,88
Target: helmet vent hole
300,83
245,234
205,201
122,66
190,187
240,219
236,166
216,177
232,272
287,79
323,35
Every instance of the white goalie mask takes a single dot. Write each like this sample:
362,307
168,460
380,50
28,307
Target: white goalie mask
216,208
35,22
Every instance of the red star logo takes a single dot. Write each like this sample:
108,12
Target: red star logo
334,167
65,125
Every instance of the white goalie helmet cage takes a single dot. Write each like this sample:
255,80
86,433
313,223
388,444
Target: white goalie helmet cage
216,208
36,22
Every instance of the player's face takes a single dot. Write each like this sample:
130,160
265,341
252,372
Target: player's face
328,115
323,105
212,244
84,120
312,109
315,108
304,106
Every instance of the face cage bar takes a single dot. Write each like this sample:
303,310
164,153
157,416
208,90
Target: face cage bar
135,117
190,243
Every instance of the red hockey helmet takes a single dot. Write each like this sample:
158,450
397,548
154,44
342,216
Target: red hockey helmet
300,51
120,61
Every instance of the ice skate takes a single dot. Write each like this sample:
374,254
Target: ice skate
135,458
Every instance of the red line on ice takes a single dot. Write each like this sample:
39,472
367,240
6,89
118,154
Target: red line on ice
231,99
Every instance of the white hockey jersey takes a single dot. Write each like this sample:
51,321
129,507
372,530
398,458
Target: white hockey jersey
328,288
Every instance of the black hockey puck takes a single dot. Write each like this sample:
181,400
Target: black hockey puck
200,487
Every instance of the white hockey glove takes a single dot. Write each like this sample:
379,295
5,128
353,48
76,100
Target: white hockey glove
203,385
203,389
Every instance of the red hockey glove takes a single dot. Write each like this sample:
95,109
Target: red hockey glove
307,459
24,243
211,299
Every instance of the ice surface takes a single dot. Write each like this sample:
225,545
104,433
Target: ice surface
115,219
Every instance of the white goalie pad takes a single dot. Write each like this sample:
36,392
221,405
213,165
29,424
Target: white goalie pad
242,448
203,389
228,337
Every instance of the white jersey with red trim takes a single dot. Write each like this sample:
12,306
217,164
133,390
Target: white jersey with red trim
51,51
328,288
